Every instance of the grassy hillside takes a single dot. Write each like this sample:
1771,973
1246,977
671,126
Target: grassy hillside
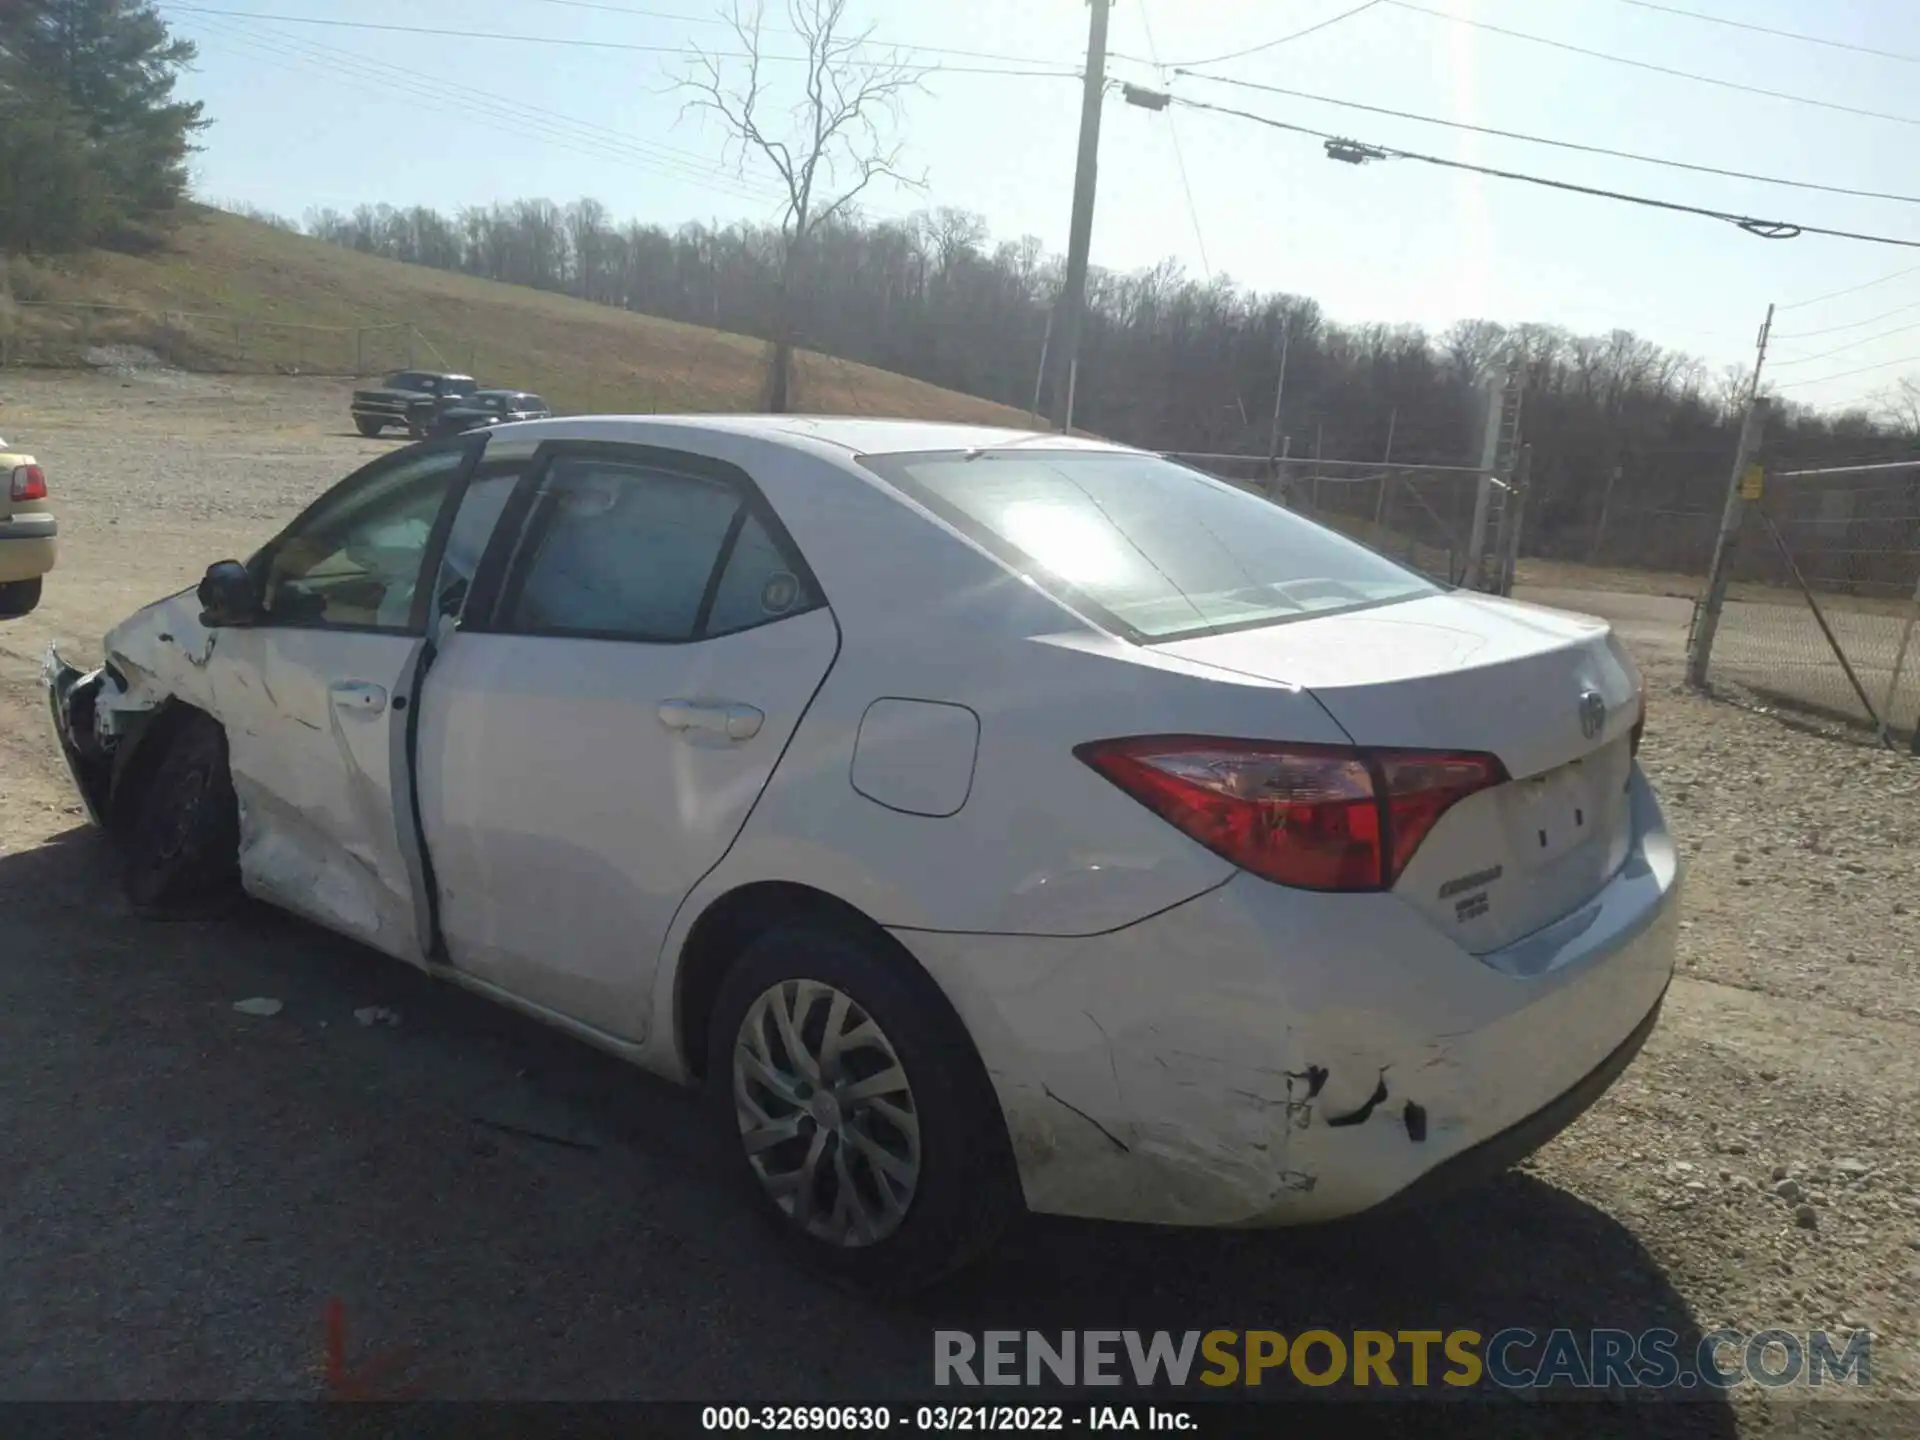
230,293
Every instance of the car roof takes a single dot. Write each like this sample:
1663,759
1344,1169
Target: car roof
858,435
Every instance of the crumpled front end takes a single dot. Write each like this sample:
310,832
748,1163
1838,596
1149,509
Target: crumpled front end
98,715
1262,1056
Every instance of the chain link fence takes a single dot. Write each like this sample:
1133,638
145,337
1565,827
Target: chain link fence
1822,598
71,335
1419,515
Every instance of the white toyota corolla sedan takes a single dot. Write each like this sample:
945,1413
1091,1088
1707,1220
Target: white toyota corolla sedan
987,819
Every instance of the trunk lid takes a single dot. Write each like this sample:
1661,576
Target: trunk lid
1546,691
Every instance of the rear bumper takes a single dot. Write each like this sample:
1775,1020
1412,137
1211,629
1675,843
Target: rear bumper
28,548
1263,1056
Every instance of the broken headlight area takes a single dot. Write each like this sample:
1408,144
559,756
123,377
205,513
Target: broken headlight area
73,700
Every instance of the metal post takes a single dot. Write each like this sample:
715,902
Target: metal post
1073,380
1040,372
1319,430
1483,492
1279,388
1752,428
1073,294
1606,504
1899,664
1516,512
1386,479
360,351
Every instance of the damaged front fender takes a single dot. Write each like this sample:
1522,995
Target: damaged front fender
154,658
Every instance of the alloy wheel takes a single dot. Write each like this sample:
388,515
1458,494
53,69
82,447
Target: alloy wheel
827,1116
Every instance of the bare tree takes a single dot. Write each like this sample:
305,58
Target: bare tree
1899,407
827,146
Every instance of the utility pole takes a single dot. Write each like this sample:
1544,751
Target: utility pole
1073,293
1760,358
1752,430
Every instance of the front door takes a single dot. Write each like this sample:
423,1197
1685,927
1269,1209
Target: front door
592,748
314,699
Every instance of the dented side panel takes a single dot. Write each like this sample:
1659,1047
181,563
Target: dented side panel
317,750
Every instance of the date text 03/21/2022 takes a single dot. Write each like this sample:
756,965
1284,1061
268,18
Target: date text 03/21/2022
941,1419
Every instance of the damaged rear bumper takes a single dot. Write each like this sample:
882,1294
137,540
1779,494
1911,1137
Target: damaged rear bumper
70,697
1263,1056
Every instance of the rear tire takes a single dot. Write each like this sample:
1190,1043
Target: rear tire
182,833
20,597
892,1107
369,428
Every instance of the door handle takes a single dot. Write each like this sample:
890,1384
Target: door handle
362,696
718,717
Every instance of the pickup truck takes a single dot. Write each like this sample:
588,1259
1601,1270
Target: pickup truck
402,397
482,409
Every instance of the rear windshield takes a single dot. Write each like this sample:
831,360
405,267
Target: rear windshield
1144,546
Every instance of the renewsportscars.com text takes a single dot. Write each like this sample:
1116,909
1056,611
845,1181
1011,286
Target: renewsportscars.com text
1516,1358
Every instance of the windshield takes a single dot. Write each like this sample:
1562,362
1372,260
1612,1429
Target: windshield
1148,547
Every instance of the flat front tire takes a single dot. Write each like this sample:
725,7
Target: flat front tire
182,833
864,1124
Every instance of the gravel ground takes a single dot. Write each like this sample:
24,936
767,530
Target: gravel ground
189,1185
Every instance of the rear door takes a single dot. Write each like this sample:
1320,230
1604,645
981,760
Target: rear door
590,748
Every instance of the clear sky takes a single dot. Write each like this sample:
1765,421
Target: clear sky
309,115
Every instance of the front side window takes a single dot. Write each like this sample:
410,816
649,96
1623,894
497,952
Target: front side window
627,550
354,560
1145,546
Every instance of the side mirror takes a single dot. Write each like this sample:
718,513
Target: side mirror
227,595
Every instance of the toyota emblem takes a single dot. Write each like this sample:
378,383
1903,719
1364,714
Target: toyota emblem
1593,713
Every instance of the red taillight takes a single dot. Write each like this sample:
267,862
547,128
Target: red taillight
1317,817
29,483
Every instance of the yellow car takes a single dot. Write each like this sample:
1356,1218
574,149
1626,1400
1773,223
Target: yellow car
27,530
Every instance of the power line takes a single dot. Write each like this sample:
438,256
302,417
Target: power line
1557,144
1656,69
1283,40
1769,30
1850,345
1357,151
1850,290
468,106
1179,159
576,42
645,14
690,164
1849,374
1850,325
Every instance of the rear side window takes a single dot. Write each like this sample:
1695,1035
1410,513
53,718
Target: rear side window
630,551
1145,546
758,584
